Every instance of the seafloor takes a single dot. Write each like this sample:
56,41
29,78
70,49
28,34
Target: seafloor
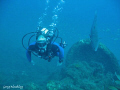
85,70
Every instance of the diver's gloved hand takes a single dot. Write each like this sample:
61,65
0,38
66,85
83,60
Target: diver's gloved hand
64,44
60,62
32,62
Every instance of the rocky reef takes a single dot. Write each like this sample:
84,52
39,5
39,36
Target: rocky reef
82,51
86,69
82,76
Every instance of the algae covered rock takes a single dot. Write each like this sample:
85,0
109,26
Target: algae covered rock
82,51
82,76
87,69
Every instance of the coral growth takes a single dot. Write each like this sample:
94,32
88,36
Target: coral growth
87,69
82,51
82,76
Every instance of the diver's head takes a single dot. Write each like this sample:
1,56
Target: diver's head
41,41
48,34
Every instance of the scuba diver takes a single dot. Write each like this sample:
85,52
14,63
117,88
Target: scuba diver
45,46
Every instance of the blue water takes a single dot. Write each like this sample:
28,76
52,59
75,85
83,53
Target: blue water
18,17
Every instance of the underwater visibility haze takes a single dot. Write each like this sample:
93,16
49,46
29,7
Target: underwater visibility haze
75,22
